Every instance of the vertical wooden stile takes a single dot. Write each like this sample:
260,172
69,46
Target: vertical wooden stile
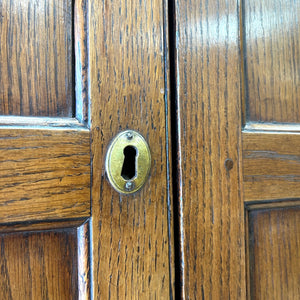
128,90
211,211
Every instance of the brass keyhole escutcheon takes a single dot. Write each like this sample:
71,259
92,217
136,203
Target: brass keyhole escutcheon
128,162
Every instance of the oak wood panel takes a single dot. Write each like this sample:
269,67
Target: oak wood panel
36,58
128,79
271,165
275,253
272,59
39,265
211,213
45,173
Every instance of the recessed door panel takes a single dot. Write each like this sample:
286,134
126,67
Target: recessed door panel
36,58
41,265
274,253
272,60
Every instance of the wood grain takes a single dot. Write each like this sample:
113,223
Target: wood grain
271,165
128,78
211,213
38,265
45,173
275,253
272,60
36,58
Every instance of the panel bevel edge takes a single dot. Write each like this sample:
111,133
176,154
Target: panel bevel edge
48,123
243,66
247,253
271,204
41,226
258,127
83,244
81,60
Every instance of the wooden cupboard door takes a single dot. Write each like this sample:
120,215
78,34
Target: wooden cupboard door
271,147
73,75
236,66
274,252
44,151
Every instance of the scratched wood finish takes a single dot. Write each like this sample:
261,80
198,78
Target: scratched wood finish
39,265
271,165
275,253
36,58
128,87
45,173
211,214
272,59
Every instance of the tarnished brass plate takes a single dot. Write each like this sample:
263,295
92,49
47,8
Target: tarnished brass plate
128,162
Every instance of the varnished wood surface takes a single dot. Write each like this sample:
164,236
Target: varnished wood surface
45,173
211,213
38,265
272,59
271,165
36,58
128,86
275,253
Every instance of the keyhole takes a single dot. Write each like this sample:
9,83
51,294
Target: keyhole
129,167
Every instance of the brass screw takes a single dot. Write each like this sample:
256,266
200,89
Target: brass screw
129,185
129,135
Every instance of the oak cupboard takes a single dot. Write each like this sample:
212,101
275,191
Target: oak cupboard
212,86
